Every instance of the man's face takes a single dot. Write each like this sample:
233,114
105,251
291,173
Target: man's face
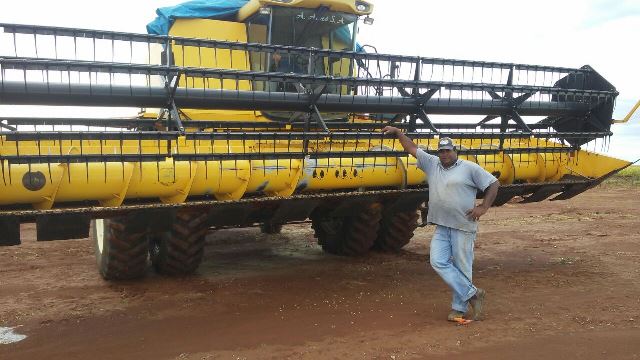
447,157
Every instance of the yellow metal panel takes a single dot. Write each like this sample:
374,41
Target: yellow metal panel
274,177
159,180
102,182
529,167
47,202
210,57
583,163
62,185
182,193
552,167
12,190
225,180
414,175
351,173
119,196
500,165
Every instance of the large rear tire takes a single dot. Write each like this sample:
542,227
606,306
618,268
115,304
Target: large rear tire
120,254
348,235
396,230
180,250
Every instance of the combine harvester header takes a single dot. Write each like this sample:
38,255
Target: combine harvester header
270,116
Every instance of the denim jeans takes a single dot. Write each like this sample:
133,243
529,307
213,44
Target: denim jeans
451,256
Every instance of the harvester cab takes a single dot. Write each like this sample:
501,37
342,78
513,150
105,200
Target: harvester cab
269,113
302,32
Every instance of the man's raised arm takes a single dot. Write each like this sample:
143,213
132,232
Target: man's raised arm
408,145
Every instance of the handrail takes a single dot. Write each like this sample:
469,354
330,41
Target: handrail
626,118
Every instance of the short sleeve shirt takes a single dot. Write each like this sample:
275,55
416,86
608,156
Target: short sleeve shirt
452,191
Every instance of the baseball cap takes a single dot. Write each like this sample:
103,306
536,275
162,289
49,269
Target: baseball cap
446,143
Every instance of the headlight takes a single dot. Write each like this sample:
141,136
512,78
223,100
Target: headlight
362,6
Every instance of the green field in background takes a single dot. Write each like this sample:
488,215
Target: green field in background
627,177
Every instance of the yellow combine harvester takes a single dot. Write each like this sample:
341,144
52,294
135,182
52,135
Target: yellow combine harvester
269,115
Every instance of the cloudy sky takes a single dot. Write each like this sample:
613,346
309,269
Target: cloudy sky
600,33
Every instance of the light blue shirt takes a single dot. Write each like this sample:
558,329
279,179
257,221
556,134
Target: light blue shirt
452,191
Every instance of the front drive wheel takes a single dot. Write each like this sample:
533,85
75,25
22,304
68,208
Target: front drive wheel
396,230
349,235
180,250
120,254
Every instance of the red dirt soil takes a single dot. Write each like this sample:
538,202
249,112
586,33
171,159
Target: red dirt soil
562,281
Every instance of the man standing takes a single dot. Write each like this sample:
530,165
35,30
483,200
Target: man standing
453,185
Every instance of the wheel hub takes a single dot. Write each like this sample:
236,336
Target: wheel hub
100,234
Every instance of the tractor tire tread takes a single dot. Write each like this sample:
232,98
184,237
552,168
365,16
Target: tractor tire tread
184,245
127,255
396,231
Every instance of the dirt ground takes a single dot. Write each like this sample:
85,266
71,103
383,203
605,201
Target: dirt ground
562,278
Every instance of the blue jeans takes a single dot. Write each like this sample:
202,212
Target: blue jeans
451,256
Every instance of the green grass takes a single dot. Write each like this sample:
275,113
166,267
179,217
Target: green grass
627,177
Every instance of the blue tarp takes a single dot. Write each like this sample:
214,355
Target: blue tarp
197,9
210,9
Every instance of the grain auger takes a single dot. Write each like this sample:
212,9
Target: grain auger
269,119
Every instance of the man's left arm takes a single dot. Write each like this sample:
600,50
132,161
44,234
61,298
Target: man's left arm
483,180
489,197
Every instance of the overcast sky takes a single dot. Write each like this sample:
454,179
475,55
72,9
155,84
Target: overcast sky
600,33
